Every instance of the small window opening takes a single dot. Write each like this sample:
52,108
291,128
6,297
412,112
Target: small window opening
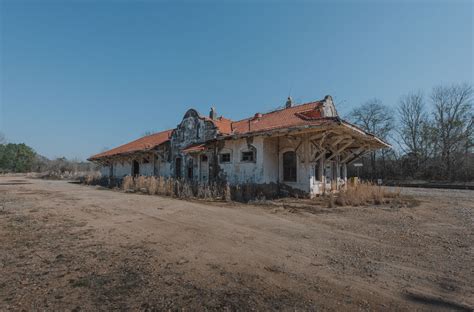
203,158
225,158
248,156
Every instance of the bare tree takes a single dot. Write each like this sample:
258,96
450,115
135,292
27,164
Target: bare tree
453,129
377,119
374,117
414,130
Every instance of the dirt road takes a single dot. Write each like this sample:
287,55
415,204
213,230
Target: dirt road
79,248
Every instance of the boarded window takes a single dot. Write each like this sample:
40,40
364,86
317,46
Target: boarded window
225,158
248,156
289,166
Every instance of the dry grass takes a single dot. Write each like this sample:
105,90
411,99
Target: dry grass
176,188
361,194
65,175
128,184
354,195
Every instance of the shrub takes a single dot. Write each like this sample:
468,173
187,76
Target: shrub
363,194
128,183
184,189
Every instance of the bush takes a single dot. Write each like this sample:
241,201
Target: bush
16,158
364,193
180,188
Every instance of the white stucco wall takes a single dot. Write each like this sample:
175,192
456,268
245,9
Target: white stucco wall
122,169
104,171
162,168
270,160
265,169
237,171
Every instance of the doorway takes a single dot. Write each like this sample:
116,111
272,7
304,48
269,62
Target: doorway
135,168
204,168
190,169
177,164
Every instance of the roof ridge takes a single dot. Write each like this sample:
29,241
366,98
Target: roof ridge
113,150
279,110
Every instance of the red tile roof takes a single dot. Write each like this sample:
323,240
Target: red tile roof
146,143
307,114
224,125
283,118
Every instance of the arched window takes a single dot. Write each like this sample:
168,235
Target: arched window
289,166
249,155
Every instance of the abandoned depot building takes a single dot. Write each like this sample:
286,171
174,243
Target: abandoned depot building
305,148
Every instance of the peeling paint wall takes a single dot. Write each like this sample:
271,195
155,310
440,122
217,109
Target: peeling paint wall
193,129
122,169
238,171
146,169
270,160
305,169
105,171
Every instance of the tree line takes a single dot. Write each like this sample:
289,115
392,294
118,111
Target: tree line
432,136
21,158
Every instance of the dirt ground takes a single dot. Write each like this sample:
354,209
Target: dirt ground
79,248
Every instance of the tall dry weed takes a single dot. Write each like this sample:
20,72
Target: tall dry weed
128,183
363,194
153,184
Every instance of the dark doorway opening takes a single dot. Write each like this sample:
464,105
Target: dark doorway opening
111,170
289,166
178,167
135,168
190,170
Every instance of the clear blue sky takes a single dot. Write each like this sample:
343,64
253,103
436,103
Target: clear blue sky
79,76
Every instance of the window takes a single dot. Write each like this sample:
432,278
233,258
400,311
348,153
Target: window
225,158
203,158
248,156
289,166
